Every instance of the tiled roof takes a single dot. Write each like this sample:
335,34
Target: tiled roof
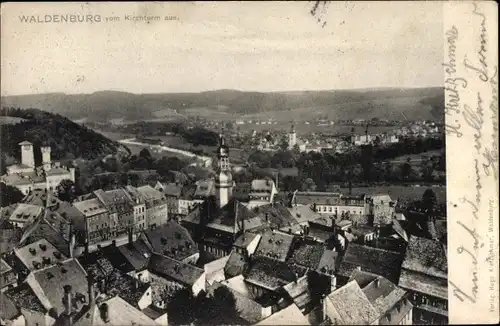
56,171
275,244
204,188
9,239
381,293
8,309
318,198
272,274
48,227
276,215
26,213
90,207
426,284
328,261
303,213
181,272
235,265
172,240
351,306
172,189
224,218
117,200
128,288
24,297
51,280
299,292
426,256
119,313
39,254
291,315
136,254
150,193
306,253
262,185
244,239
378,261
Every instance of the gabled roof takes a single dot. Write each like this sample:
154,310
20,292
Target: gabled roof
51,227
328,261
171,189
183,273
172,240
427,257
306,253
235,265
398,228
24,297
39,254
276,215
426,284
378,261
48,283
351,306
381,293
272,274
291,315
275,244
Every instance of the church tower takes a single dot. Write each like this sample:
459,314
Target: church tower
292,138
223,179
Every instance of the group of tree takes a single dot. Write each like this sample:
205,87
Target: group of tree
219,308
363,165
68,140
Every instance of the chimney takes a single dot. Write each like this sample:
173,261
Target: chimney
267,217
277,179
90,286
104,312
377,282
86,247
68,300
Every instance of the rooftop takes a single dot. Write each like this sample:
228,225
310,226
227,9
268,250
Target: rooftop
262,185
307,253
351,306
426,256
272,274
244,239
275,244
25,213
172,240
178,271
150,193
291,315
39,254
90,207
327,263
50,282
427,284
204,188
117,200
171,189
276,215
56,171
24,297
235,265
378,261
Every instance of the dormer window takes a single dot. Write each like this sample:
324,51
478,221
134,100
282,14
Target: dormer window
43,247
32,251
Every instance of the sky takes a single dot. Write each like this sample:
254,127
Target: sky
251,46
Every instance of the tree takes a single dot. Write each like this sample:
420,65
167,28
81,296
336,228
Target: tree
145,153
9,195
220,309
308,185
181,308
66,190
283,144
429,200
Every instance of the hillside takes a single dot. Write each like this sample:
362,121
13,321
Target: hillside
67,139
389,103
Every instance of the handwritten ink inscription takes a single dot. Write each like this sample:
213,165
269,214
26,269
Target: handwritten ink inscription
466,115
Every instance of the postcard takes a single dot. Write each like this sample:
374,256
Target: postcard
249,163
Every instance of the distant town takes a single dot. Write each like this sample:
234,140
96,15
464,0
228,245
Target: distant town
262,226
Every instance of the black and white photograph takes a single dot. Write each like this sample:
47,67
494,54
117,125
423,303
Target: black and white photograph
239,163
